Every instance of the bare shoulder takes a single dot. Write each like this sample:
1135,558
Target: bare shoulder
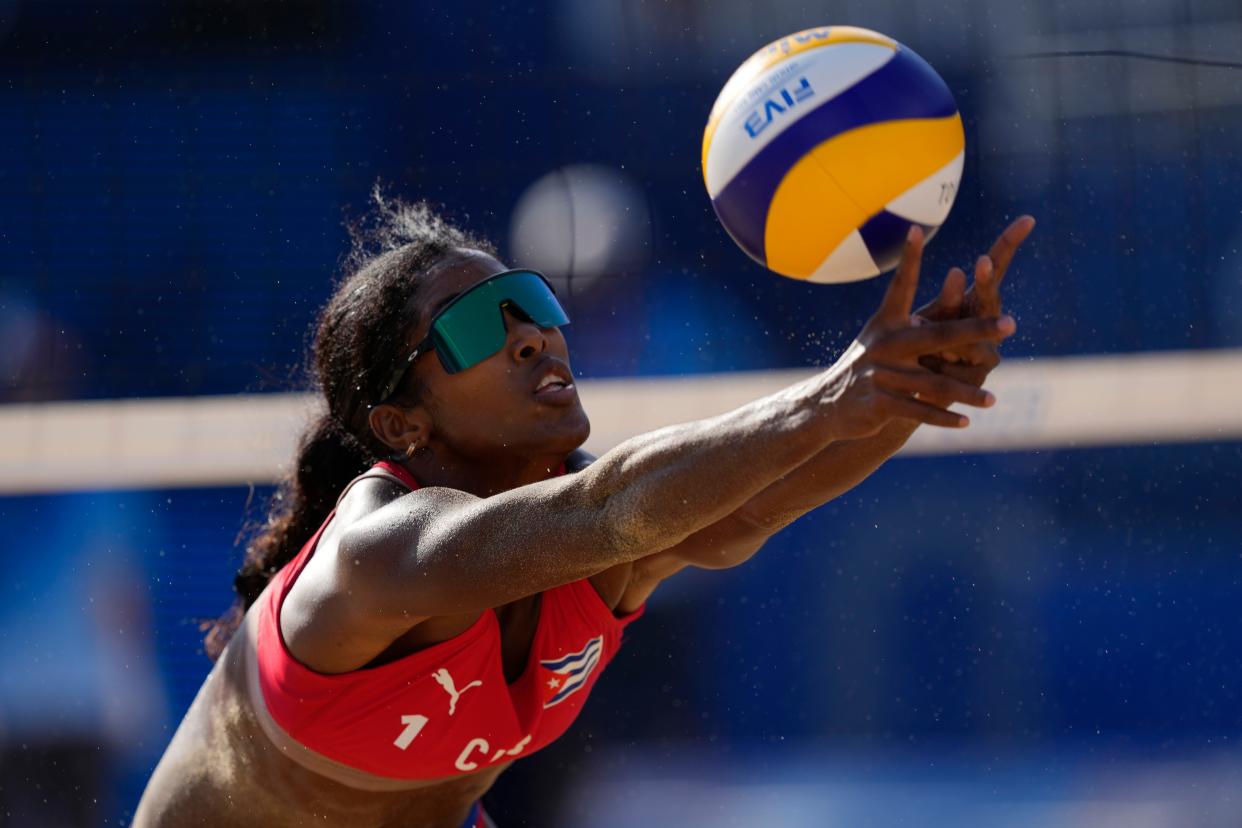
367,495
380,522
330,618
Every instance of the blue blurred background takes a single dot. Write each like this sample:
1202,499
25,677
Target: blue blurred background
1026,638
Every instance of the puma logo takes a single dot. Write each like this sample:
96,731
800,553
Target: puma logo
446,681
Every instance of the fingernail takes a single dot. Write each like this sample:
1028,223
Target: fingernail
1006,324
989,399
911,232
962,422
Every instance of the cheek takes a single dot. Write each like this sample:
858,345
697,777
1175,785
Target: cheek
472,402
482,400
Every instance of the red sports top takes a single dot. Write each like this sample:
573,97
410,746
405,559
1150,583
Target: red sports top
445,710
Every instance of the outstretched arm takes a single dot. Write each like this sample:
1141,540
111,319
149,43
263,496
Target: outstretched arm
844,464
439,551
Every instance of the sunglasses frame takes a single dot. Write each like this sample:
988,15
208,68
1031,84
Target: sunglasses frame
428,343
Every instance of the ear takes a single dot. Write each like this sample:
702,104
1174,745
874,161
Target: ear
397,427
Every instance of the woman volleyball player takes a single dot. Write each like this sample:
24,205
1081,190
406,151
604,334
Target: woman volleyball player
444,574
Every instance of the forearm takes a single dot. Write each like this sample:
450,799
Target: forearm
658,488
736,537
832,472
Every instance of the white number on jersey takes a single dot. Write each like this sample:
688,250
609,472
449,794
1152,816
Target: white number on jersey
413,726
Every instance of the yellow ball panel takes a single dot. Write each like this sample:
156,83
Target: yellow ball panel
808,218
875,164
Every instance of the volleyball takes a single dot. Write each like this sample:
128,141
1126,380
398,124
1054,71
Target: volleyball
825,146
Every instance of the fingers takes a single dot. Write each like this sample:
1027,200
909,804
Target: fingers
953,335
973,374
906,408
899,298
974,353
937,388
983,298
952,291
1003,249
978,360
949,303
987,287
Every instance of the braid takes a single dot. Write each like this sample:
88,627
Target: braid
360,334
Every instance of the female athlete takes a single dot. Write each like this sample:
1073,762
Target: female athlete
444,575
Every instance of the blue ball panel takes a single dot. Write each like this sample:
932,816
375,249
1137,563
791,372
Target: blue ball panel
885,235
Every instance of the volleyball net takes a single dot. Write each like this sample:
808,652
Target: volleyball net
1048,403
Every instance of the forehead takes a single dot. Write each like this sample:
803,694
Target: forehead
457,273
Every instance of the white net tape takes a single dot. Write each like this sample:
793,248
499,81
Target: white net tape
205,441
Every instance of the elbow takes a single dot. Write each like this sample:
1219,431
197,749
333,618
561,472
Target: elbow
623,526
626,500
629,534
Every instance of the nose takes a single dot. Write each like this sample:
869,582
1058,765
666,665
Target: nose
526,339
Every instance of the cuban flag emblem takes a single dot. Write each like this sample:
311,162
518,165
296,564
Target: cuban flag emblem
564,676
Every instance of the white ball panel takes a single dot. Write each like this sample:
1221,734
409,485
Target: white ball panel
849,262
829,70
929,201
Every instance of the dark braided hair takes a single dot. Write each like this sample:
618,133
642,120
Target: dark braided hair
360,335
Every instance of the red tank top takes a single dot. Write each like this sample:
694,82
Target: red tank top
445,710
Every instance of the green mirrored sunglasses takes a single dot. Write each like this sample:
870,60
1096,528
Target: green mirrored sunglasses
471,328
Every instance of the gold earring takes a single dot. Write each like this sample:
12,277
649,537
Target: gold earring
410,449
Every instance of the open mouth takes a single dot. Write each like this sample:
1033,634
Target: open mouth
555,386
551,381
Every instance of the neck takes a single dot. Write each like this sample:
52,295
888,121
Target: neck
481,478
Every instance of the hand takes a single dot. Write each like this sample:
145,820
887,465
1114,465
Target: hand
880,379
973,363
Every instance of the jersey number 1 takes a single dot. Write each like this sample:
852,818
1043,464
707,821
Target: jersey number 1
413,726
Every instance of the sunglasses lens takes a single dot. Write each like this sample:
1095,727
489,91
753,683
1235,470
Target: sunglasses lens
531,295
473,327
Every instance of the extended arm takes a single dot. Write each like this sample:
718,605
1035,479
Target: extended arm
441,551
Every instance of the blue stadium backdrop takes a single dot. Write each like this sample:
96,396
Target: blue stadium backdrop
173,182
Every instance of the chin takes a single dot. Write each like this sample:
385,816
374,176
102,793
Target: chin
581,431
571,432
